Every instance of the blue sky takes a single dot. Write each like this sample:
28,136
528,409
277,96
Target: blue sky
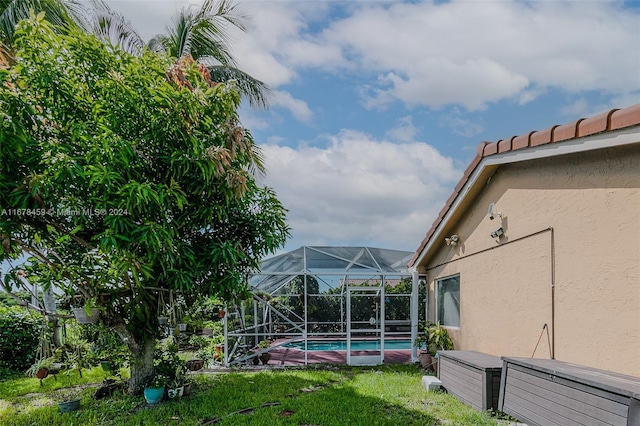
378,107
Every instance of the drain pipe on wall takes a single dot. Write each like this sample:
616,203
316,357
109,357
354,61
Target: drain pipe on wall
414,314
552,254
553,294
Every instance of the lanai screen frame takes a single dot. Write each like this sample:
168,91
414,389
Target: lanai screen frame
347,264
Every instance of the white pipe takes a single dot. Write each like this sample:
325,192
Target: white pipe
414,314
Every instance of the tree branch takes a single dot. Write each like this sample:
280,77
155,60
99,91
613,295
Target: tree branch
36,308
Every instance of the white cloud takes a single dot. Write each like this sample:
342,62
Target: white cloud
459,125
455,53
297,107
577,108
424,54
582,108
404,131
357,190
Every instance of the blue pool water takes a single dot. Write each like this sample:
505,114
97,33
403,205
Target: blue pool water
356,345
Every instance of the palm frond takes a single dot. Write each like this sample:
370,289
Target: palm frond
201,31
13,11
207,43
223,10
6,58
254,90
112,27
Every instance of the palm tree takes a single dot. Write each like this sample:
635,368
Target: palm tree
59,12
200,33
197,32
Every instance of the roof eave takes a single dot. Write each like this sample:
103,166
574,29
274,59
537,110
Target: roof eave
484,167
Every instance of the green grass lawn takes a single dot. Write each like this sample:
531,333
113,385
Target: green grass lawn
327,395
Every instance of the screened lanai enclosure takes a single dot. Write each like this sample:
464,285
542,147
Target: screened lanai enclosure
359,300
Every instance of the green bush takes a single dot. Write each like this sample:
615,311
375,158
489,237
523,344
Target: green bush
19,337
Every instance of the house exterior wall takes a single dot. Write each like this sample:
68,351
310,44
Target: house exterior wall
592,202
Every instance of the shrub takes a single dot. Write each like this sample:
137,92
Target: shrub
19,337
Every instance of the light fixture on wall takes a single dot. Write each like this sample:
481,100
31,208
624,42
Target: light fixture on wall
491,213
497,233
452,240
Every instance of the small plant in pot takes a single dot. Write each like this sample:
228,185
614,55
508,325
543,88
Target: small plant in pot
69,400
438,340
176,386
168,364
154,391
41,368
422,343
88,313
264,355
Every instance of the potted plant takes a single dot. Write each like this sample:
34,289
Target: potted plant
422,343
264,355
438,340
154,391
70,401
40,369
218,347
195,364
87,314
168,364
176,386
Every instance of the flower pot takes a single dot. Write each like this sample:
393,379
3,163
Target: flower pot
83,318
175,393
182,327
42,373
206,332
162,321
425,359
218,351
153,395
187,389
67,406
221,313
265,357
195,364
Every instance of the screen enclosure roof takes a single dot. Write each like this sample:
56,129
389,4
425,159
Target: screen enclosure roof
279,270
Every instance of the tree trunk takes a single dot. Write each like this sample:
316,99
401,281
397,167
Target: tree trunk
49,301
141,360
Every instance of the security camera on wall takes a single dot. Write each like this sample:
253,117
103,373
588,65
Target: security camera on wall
497,233
491,214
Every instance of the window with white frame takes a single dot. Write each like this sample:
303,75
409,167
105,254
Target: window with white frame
448,300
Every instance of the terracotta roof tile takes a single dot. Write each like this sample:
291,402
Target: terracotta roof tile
607,121
542,137
521,141
471,167
504,145
490,149
625,117
480,149
596,124
566,131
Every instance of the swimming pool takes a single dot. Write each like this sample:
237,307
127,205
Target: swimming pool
356,345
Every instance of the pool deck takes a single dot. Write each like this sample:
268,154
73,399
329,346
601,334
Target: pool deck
291,357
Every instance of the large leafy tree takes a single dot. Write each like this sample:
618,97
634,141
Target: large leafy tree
125,176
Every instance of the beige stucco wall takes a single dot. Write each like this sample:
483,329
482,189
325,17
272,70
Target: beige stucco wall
592,201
